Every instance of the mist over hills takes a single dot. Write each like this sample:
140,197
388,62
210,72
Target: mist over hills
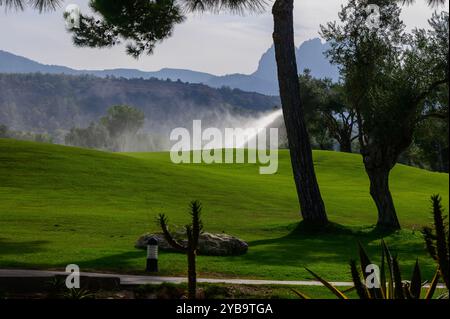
54,103
263,80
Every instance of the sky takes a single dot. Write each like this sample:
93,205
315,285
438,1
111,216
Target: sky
214,43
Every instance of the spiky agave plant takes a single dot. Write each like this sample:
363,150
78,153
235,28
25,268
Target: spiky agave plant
78,294
193,232
437,239
390,283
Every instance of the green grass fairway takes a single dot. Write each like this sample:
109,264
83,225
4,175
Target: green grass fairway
62,205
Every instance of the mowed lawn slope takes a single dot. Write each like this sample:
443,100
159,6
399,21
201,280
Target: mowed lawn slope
62,205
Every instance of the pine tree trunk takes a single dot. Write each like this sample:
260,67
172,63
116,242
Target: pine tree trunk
311,203
192,275
379,190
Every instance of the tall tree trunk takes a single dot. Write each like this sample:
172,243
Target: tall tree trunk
311,203
379,190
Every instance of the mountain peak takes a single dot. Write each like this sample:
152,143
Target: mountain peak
310,55
313,41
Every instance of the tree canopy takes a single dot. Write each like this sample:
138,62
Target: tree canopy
41,5
145,23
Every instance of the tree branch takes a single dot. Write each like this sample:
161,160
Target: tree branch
430,89
167,235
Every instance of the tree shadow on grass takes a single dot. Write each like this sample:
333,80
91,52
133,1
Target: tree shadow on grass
116,262
337,244
8,247
331,235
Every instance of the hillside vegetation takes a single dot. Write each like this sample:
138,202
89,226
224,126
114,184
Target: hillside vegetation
61,205
45,103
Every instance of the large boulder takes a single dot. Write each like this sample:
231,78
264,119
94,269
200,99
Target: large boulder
208,244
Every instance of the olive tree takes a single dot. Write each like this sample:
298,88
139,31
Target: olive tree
391,78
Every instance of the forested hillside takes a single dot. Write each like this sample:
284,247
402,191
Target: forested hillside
53,104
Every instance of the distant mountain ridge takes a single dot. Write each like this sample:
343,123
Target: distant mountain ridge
310,55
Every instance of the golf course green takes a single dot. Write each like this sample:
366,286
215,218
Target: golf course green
62,205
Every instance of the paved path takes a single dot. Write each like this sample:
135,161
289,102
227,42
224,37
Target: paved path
140,280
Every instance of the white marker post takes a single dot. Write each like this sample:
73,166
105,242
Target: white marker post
152,255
